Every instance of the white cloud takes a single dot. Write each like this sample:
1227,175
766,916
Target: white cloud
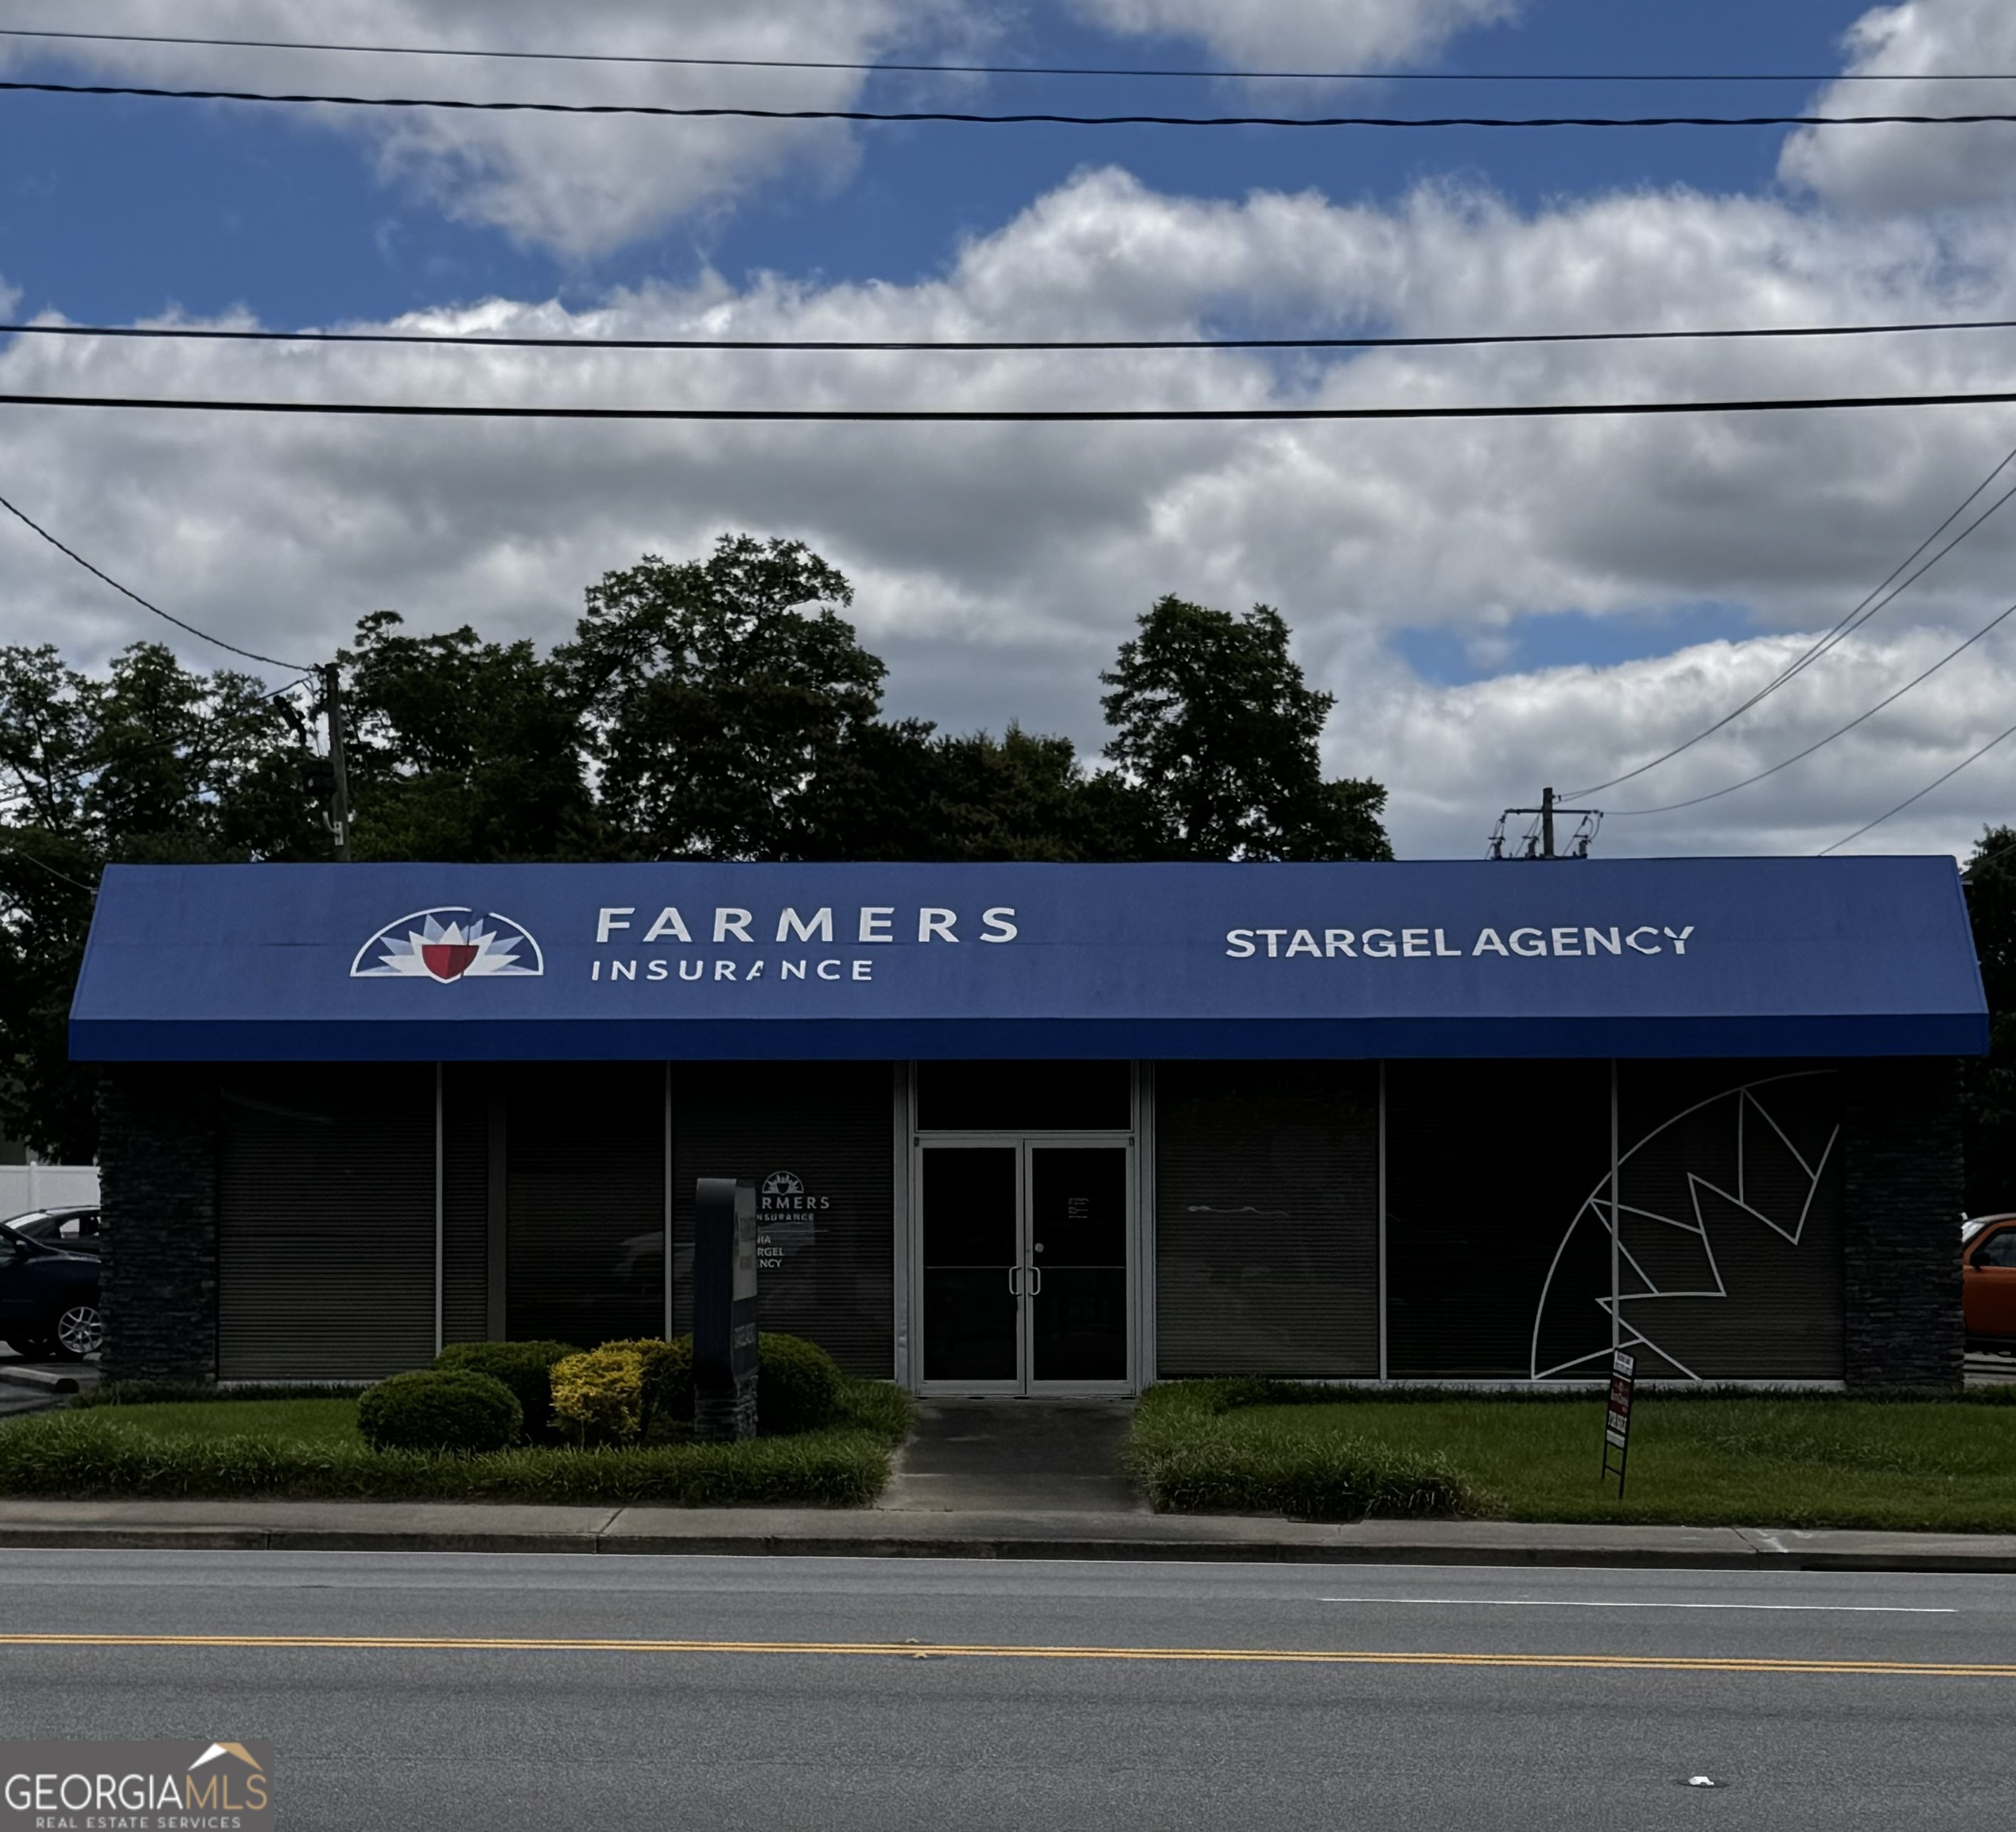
1476,749
578,187
1304,34
998,565
1897,168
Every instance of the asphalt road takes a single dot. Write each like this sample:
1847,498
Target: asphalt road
1542,1701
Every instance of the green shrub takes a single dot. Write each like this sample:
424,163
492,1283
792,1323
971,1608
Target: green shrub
523,1367
798,1386
1189,1457
1324,1478
673,1403
82,1456
598,1395
439,1409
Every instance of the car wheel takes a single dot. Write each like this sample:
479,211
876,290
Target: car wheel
80,1331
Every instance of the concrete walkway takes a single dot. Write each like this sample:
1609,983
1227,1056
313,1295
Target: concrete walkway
1016,1456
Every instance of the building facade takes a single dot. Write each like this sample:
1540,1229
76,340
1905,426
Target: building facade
1025,1129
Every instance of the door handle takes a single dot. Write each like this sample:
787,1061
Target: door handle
1036,1273
1015,1281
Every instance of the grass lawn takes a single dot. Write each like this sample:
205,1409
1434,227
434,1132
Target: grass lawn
1818,1461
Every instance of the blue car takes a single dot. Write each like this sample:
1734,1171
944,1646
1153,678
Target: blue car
48,1300
74,1230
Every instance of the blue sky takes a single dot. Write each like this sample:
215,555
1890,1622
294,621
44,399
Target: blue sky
1490,605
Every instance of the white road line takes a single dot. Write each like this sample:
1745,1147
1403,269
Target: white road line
1585,1603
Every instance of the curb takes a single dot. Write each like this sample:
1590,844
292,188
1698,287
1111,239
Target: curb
39,1377
300,1537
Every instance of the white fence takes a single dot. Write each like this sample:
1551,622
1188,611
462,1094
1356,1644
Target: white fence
25,1187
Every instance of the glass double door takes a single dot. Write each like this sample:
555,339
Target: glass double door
1024,1260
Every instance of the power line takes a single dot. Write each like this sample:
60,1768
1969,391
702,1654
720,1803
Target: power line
966,117
489,340
1011,416
1987,859
1975,757
1878,599
1010,69
127,591
43,865
1838,731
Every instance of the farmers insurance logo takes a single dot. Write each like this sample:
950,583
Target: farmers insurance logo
122,1787
453,942
786,1218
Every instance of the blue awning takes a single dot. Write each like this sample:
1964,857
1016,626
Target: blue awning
1659,957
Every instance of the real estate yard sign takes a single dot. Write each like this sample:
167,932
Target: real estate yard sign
1617,1421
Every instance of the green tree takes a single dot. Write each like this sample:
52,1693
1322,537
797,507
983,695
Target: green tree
47,885
185,768
1022,795
725,696
462,749
1988,1083
906,792
149,764
1215,726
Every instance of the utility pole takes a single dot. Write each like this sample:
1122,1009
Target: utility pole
339,804
1542,844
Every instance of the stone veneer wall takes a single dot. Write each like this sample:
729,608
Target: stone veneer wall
157,1182
1905,1185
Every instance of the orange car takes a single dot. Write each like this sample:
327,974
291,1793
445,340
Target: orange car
1988,1280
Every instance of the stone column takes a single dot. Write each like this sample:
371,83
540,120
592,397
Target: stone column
1904,1187
157,1183
724,1413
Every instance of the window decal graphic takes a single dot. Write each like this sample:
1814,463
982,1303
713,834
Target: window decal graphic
1741,1166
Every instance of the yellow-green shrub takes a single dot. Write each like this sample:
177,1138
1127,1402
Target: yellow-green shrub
613,1394
666,1380
598,1397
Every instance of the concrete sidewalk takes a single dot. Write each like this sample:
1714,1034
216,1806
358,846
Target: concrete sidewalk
1014,1456
448,1527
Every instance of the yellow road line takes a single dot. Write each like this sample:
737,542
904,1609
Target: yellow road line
914,1650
